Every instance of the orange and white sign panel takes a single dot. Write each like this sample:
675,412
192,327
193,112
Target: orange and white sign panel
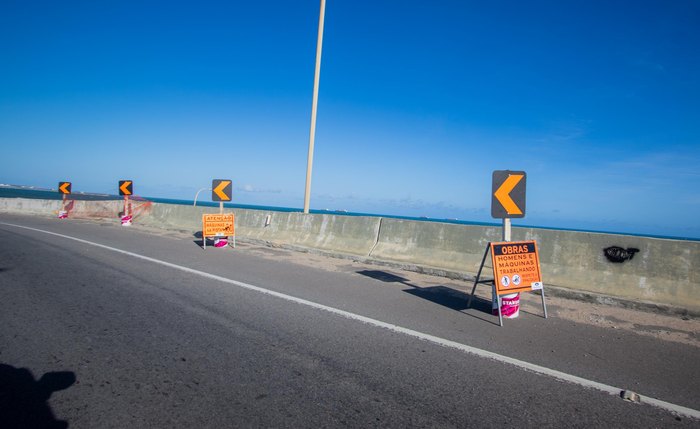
516,266
218,225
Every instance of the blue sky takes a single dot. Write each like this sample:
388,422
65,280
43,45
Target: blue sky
598,101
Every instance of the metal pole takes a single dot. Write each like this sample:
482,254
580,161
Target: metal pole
478,275
312,133
506,229
197,195
494,294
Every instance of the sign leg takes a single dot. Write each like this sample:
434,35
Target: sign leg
544,306
478,275
498,301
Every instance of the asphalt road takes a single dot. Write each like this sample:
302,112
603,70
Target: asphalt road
104,333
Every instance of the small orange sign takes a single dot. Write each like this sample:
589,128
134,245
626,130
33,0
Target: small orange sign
218,225
516,266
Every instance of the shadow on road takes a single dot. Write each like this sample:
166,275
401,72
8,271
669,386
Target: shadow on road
385,276
199,239
442,295
24,401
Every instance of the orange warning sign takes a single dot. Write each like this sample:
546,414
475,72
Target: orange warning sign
516,266
218,225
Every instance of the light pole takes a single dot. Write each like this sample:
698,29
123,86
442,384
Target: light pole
197,195
312,133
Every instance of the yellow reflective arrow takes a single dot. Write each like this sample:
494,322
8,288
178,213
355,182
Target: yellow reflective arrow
64,188
502,194
125,187
219,190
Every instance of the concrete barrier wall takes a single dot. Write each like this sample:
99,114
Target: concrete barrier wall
354,235
663,271
28,206
440,245
346,234
76,208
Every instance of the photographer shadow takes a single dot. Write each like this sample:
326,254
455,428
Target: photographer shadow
24,400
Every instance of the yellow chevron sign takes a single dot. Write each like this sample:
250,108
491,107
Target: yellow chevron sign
508,194
64,187
221,190
126,187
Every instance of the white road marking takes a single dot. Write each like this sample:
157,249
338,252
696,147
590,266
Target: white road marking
678,409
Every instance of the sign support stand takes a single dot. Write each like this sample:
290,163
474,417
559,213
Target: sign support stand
493,287
544,306
516,266
493,284
64,188
127,206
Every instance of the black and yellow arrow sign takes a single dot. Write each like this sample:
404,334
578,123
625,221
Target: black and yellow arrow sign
64,187
126,187
508,190
221,190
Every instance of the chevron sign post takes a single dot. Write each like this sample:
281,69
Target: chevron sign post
126,188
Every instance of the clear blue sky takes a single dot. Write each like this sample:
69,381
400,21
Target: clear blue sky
598,101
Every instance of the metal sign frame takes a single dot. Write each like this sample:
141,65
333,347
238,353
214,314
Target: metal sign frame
494,291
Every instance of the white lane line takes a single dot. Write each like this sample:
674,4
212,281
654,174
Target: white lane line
678,409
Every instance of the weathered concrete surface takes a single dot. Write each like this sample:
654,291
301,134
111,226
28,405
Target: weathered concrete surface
76,208
663,271
346,234
441,245
178,217
29,206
